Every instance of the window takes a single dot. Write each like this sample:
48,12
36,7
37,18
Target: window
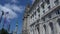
52,28
58,21
56,2
51,25
43,19
57,11
49,15
42,5
37,26
31,17
38,20
38,10
44,27
38,29
35,13
47,1
48,7
39,15
43,11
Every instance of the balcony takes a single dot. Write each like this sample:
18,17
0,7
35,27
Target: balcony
56,2
51,10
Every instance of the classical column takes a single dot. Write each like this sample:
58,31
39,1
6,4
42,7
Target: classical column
55,29
44,28
57,26
49,29
41,28
34,30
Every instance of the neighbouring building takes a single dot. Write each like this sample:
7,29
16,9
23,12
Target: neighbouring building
16,28
43,17
25,24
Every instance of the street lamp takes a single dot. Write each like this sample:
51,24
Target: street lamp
1,16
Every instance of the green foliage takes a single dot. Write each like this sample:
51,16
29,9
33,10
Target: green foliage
3,31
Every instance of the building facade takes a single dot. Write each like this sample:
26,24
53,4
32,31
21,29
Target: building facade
16,28
44,17
25,24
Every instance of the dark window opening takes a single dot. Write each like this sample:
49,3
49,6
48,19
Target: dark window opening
35,13
49,15
42,5
47,1
37,26
44,11
43,19
49,7
31,17
56,2
39,15
38,29
38,10
57,12
58,21
51,25
44,27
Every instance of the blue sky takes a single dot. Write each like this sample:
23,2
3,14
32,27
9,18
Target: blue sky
16,10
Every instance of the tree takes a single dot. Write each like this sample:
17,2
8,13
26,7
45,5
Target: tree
3,31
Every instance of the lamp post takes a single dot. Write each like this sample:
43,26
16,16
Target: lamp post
1,16
5,18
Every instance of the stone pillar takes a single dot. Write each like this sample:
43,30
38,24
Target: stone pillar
34,30
41,26
57,26
52,3
55,29
47,28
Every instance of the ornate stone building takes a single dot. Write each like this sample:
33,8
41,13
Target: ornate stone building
16,28
44,17
25,23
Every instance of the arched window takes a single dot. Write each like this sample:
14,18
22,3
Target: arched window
51,26
37,27
44,27
58,21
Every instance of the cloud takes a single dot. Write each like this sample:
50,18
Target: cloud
15,7
11,14
12,9
14,1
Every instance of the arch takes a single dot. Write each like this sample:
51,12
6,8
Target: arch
58,20
37,28
44,27
51,25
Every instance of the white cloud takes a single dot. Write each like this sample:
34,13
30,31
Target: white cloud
14,1
12,9
11,14
15,7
